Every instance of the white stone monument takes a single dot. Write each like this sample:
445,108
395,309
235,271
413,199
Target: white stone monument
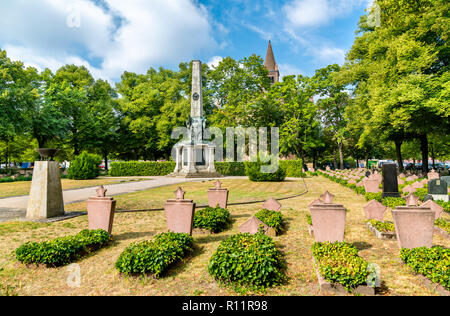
195,156
46,197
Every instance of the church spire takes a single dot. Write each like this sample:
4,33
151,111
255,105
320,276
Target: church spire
271,65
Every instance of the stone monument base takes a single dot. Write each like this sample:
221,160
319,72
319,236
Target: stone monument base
200,174
46,197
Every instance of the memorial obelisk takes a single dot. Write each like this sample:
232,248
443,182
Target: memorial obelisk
194,155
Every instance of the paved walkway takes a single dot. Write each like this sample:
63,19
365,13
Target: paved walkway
15,207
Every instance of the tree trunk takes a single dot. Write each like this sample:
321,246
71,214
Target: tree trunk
341,155
398,149
105,157
424,149
334,159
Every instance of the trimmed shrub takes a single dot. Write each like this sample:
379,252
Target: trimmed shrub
420,193
274,174
443,224
382,226
309,219
445,205
20,178
293,168
433,263
248,260
227,168
393,202
272,219
215,219
339,263
64,250
154,256
85,166
141,168
373,196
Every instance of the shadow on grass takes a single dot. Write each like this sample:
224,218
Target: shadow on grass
181,265
382,290
210,238
127,236
362,245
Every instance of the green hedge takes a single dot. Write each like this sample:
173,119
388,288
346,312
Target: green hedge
215,219
445,205
274,174
443,224
272,219
339,263
433,263
63,250
154,256
248,260
393,202
382,226
162,168
20,178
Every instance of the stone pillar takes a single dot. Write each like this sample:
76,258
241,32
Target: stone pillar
211,167
46,197
179,159
191,159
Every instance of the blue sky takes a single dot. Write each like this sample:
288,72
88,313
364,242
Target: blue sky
113,36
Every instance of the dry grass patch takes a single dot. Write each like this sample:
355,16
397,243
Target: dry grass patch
190,277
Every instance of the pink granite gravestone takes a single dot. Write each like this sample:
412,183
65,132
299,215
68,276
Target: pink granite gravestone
372,186
375,210
327,197
271,205
315,202
414,226
401,175
328,222
417,185
252,226
436,208
218,196
100,211
411,200
179,213
400,181
409,189
360,184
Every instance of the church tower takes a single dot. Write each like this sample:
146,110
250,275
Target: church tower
271,65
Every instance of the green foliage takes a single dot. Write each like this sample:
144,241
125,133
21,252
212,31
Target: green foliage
85,166
433,263
215,219
140,168
293,168
392,202
274,172
248,260
442,223
420,193
382,226
373,196
63,250
154,256
20,178
272,219
360,190
339,263
309,219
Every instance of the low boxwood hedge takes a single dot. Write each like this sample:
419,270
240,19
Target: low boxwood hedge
445,205
64,250
154,256
249,261
369,196
20,178
443,224
339,263
382,226
215,219
393,202
272,219
433,263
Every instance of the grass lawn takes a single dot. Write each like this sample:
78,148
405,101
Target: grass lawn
8,189
99,277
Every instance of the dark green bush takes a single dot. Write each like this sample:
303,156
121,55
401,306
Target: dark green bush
227,168
272,219
154,256
85,166
393,202
382,226
63,250
215,219
274,173
420,193
339,263
293,168
248,260
433,263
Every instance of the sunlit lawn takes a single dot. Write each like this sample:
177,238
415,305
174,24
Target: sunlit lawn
99,277
8,189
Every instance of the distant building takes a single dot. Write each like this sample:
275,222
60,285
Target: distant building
271,65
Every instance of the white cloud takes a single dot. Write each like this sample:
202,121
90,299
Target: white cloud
152,33
311,13
214,61
288,69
